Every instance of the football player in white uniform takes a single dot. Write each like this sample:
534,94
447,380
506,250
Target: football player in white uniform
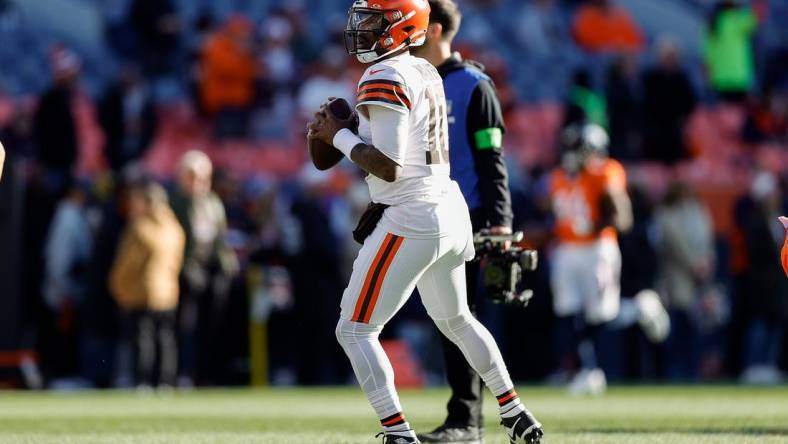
423,236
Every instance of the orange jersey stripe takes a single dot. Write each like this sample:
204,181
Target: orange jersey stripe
393,88
370,272
379,283
386,96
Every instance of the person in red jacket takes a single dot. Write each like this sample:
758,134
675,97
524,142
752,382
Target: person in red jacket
227,76
600,26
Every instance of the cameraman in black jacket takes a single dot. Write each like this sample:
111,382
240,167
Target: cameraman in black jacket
476,130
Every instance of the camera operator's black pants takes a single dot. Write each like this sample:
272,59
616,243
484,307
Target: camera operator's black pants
465,406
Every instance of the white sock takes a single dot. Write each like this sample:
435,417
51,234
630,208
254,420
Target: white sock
396,425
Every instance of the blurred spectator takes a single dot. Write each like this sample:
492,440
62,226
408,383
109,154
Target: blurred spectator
330,80
128,117
144,282
638,249
304,45
103,356
728,50
314,262
277,55
227,77
668,102
228,189
208,268
686,260
54,127
541,28
274,226
158,32
201,30
600,26
18,133
67,251
585,104
280,74
766,288
773,44
119,32
625,107
767,119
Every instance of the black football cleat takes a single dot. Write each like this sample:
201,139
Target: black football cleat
523,429
448,434
391,438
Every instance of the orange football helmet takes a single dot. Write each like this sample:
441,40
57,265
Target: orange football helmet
377,28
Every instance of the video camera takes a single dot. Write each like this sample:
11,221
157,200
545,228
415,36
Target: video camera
502,269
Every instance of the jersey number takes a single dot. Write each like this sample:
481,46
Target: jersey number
438,129
571,207
438,143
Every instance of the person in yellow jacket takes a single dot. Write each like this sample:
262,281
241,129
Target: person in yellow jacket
144,282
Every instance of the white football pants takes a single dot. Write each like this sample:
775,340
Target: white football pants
587,279
385,273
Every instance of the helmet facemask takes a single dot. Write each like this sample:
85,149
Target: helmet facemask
365,28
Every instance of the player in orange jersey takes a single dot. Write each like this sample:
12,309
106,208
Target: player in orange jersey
588,193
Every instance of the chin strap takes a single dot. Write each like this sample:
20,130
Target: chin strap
377,57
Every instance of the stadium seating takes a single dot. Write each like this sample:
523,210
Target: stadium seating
540,83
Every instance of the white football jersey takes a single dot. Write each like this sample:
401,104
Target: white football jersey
411,85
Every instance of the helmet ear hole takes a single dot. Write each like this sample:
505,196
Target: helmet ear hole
408,29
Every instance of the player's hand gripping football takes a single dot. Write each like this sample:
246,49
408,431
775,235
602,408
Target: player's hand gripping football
327,123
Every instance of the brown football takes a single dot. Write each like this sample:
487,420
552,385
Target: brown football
325,156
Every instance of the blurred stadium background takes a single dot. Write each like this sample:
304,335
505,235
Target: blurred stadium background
95,94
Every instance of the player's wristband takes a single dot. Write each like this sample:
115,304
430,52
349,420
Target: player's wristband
345,141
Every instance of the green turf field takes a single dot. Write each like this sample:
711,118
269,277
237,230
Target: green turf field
626,415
